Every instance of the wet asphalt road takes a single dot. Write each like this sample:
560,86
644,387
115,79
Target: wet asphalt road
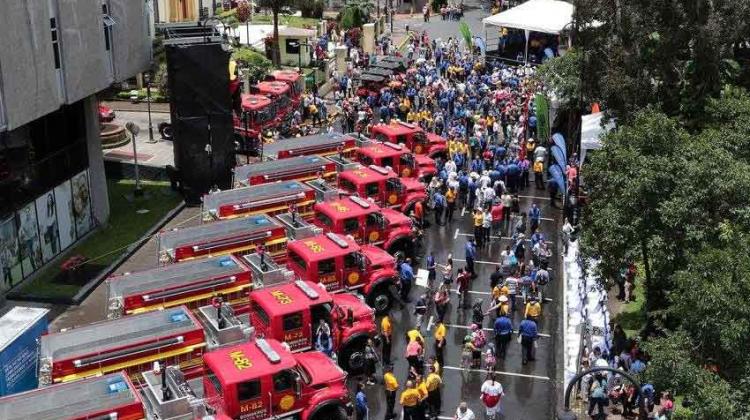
529,390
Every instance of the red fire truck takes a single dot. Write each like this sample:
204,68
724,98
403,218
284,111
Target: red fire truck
258,380
292,312
300,168
192,283
131,343
258,114
270,199
319,144
397,157
412,136
383,186
110,396
295,81
367,223
340,264
237,236
279,93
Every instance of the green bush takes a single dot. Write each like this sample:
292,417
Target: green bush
253,62
311,9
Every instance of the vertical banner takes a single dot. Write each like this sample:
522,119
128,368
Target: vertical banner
28,240
82,203
10,263
46,212
65,218
542,118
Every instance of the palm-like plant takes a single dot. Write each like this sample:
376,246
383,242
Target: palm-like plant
275,6
465,32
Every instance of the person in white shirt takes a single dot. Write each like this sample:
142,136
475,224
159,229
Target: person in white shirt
492,393
463,412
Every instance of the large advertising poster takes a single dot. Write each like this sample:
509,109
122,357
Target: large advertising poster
47,216
10,263
82,203
28,240
65,219
19,360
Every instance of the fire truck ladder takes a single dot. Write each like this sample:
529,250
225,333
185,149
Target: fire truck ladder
208,246
271,200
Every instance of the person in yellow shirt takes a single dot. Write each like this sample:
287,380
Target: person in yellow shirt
410,401
391,386
411,117
386,333
450,198
478,229
499,290
423,393
433,383
440,333
533,309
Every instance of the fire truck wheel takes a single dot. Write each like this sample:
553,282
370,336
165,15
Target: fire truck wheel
165,130
380,299
352,357
402,249
335,412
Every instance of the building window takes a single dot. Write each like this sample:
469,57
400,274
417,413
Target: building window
292,46
55,42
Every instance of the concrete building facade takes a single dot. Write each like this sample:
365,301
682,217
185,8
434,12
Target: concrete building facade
55,56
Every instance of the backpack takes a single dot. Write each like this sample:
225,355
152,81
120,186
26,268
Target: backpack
479,339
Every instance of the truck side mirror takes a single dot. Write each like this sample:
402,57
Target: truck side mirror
350,317
298,386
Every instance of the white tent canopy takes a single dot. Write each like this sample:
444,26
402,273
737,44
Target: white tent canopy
547,16
591,132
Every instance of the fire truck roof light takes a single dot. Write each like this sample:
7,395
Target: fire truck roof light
267,351
379,169
337,240
362,203
394,146
307,290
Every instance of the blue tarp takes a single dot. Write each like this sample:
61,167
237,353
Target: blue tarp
479,42
559,155
559,141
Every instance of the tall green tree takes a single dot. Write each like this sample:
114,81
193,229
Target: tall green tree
275,6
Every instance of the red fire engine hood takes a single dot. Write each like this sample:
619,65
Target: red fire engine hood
322,369
359,309
378,257
434,138
412,185
395,218
426,164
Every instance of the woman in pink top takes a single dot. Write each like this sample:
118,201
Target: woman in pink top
413,353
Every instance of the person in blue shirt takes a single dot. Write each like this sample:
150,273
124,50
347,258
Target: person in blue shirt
431,265
529,334
470,251
439,199
503,331
407,279
360,402
535,216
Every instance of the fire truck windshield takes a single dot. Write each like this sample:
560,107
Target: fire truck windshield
408,160
299,85
264,115
394,184
284,100
420,138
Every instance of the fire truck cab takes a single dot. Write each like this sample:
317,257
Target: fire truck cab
269,199
318,144
383,186
300,168
262,380
412,136
295,81
397,157
258,113
279,93
237,236
340,264
368,223
293,312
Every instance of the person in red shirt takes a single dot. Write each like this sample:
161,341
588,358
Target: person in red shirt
463,279
419,213
497,216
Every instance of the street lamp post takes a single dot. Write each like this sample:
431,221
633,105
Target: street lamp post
147,77
134,130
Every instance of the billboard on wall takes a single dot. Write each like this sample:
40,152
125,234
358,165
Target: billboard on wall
22,327
81,203
10,261
46,212
28,240
65,218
